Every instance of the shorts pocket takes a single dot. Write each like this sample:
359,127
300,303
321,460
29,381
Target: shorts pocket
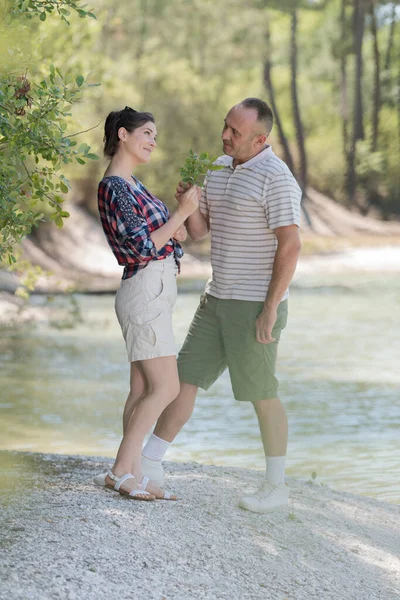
153,286
148,328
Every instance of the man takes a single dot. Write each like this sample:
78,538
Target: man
252,208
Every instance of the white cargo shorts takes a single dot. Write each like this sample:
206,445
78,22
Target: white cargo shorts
144,305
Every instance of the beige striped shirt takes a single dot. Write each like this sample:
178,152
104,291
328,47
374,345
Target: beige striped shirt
244,205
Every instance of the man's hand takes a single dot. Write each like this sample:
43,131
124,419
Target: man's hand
265,324
180,234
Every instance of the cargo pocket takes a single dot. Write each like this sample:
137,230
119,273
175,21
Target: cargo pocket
148,328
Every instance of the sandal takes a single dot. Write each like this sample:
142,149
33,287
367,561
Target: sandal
166,495
136,494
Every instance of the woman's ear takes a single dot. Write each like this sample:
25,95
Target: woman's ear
122,133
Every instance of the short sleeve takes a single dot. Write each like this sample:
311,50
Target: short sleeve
282,201
203,204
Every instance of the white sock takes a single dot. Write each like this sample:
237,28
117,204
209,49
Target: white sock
155,448
275,469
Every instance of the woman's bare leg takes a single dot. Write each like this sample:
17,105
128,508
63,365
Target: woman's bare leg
138,389
161,375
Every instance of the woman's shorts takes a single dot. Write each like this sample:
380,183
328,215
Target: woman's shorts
144,305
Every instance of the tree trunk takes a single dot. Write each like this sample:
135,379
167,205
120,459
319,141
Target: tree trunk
295,104
271,96
390,39
377,80
344,107
358,24
358,125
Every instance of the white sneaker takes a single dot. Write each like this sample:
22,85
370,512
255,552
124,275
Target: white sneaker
269,498
150,468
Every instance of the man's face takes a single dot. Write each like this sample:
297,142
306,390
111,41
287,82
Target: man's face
242,135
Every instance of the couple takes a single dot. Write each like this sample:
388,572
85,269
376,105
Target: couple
252,208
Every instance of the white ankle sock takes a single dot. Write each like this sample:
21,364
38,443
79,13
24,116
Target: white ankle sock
155,448
275,469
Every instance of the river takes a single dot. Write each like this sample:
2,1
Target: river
62,390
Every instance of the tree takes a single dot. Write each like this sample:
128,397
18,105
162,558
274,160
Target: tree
271,96
34,145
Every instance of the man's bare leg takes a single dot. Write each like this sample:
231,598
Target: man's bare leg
273,494
273,424
169,424
176,414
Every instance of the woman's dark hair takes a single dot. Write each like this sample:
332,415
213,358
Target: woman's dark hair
130,119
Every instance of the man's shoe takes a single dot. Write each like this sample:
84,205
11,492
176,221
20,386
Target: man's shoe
268,499
150,468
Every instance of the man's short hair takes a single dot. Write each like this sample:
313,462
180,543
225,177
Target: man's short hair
264,112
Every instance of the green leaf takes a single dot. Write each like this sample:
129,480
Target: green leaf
79,160
63,187
80,80
83,148
42,16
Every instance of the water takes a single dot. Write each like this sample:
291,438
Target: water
63,390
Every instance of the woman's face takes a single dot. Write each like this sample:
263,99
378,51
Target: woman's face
140,143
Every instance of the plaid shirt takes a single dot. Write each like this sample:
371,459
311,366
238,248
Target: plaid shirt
128,214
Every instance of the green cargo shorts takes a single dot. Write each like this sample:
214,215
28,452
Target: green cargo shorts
223,334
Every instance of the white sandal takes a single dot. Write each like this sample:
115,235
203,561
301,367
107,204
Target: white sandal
134,494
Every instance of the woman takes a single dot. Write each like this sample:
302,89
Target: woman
142,235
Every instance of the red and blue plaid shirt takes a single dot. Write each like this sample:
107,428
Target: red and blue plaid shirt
128,214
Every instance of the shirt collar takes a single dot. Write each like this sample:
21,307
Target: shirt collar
252,162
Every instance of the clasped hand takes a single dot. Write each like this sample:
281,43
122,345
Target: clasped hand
180,234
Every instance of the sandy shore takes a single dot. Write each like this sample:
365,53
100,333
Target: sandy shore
64,538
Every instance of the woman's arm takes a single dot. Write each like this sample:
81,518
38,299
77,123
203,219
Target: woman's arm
197,224
132,226
188,203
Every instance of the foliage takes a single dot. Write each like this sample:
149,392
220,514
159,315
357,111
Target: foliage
42,8
164,61
196,165
34,144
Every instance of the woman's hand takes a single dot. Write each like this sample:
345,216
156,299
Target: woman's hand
180,234
189,201
181,189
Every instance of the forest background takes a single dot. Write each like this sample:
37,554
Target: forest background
330,69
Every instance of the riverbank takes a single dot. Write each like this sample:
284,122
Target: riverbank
64,538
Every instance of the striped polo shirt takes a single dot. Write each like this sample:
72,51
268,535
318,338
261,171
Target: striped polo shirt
244,205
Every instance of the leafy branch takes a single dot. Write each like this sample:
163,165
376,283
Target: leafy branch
196,165
34,146
41,8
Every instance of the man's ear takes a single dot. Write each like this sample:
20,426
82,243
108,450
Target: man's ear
261,140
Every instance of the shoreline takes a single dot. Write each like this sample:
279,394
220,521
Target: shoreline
91,543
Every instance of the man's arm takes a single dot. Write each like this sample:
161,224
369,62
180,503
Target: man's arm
197,225
285,262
